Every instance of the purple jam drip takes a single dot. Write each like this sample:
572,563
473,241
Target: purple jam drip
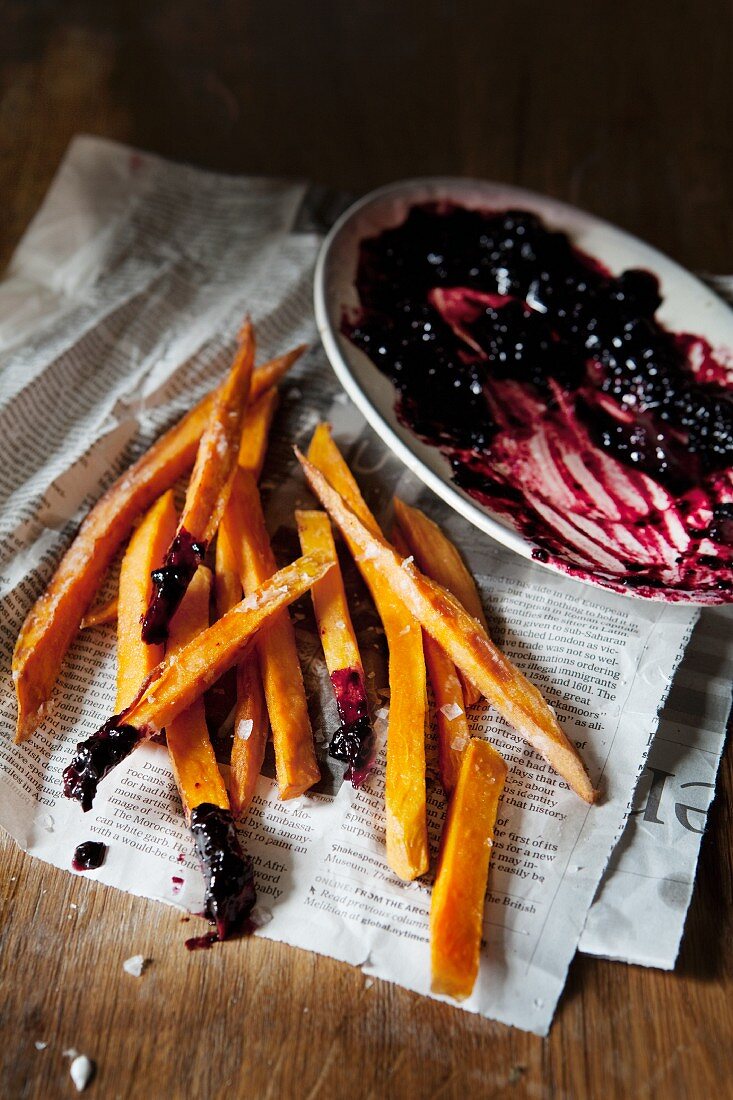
170,584
350,691
228,872
353,742
89,855
97,756
201,943
559,399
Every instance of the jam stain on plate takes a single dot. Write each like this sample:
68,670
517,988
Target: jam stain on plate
559,399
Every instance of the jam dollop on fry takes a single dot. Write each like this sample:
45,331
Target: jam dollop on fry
228,872
170,583
96,757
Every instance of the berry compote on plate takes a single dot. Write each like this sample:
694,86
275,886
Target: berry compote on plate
557,396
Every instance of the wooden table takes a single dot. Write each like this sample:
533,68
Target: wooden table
622,108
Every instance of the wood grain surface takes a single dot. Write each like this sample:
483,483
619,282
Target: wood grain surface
624,109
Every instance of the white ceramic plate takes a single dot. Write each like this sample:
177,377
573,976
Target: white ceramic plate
688,306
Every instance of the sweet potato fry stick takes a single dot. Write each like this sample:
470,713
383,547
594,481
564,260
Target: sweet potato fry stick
101,615
195,768
181,679
176,683
282,678
251,726
256,430
457,907
462,637
354,740
272,372
448,698
207,493
144,553
405,794
218,451
251,722
52,622
450,712
439,559
257,422
326,457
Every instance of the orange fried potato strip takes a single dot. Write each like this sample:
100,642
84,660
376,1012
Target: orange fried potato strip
449,691
175,684
405,793
256,430
450,712
207,493
448,697
101,615
194,764
54,619
340,649
282,678
218,451
439,559
457,906
179,680
251,722
144,553
251,726
462,637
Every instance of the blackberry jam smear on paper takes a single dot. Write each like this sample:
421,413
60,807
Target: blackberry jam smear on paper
558,398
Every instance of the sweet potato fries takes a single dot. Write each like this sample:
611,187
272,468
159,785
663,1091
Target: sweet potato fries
433,621
53,621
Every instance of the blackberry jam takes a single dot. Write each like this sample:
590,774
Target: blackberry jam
228,872
89,855
96,757
170,584
558,398
353,741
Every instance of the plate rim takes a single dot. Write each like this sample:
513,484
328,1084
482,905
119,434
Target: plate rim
330,339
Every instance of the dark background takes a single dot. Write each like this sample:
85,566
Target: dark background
624,108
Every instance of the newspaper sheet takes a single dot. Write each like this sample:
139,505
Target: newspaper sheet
118,313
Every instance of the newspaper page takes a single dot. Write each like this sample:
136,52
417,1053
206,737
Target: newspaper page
132,280
639,913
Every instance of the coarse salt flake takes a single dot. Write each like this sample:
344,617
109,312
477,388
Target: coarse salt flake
407,562
134,965
39,1045
244,729
451,711
82,1071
